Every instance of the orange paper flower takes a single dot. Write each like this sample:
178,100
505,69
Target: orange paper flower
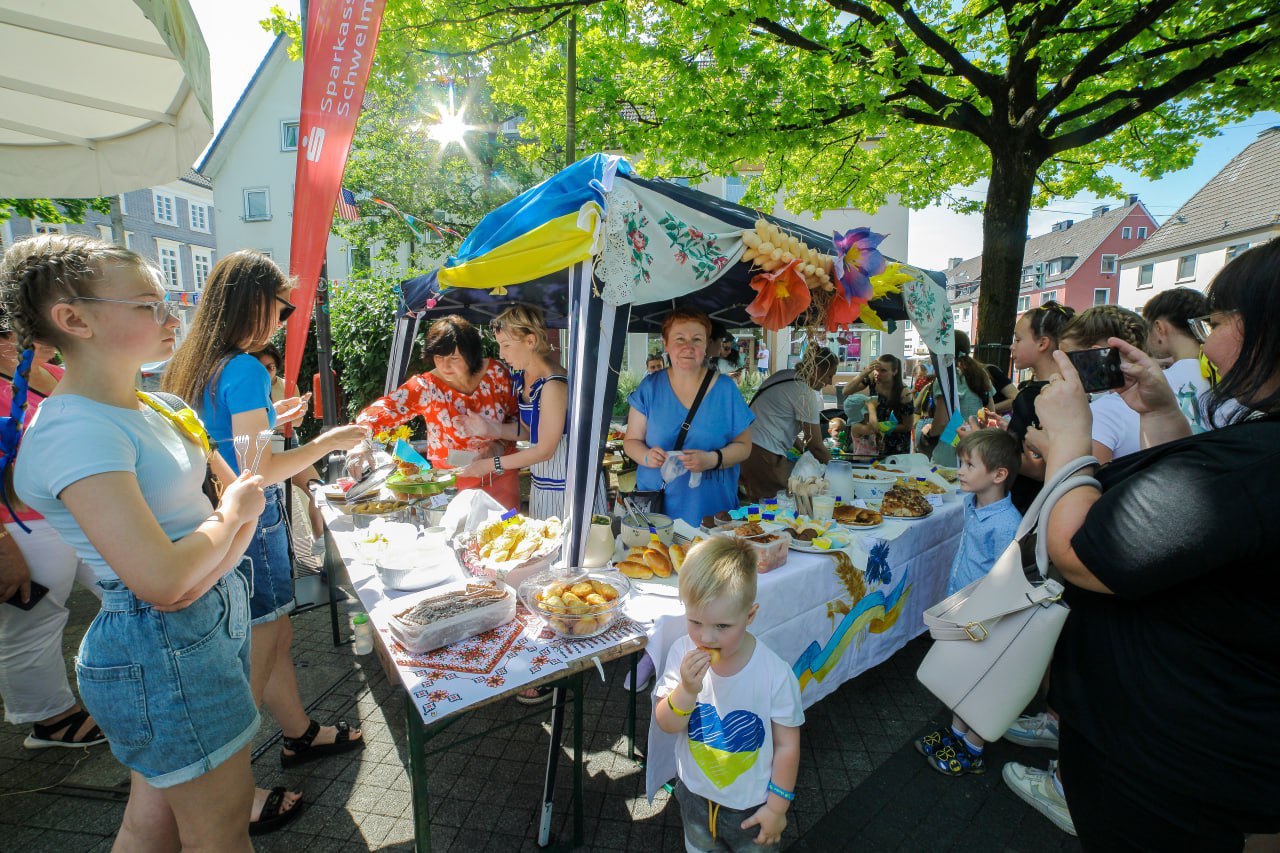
783,296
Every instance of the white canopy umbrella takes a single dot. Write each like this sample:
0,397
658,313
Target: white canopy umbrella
101,97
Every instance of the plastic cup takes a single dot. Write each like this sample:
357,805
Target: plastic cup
823,507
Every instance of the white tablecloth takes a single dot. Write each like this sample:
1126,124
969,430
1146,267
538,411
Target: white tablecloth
454,678
830,630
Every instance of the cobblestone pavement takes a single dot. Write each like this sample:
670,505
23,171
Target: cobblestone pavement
861,786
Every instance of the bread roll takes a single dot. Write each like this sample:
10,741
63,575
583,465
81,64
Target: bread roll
635,571
714,654
658,561
677,556
657,545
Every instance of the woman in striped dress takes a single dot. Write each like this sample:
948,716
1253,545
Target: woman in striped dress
542,392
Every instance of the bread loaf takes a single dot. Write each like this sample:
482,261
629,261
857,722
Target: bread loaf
676,553
658,562
635,571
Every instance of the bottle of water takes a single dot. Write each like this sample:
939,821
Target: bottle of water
364,633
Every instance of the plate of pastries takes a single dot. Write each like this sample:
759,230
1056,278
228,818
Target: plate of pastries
905,504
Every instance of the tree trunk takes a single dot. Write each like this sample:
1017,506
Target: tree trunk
1004,238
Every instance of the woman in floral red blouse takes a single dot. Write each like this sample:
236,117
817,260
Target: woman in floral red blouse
463,382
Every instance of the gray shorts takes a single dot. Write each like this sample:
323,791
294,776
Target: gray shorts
696,812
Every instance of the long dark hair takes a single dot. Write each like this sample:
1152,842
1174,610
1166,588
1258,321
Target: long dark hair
1250,286
896,394
238,305
975,375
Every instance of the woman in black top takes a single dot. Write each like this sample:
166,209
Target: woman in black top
882,381
1167,674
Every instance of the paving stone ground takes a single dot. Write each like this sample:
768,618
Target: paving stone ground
861,785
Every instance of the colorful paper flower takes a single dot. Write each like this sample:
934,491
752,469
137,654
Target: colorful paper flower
783,296
857,259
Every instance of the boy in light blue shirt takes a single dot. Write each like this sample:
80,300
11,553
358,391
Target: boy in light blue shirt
989,460
988,466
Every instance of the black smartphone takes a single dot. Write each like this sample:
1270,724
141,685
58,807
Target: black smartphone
38,591
1099,369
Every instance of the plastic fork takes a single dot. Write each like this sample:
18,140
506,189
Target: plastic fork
261,443
241,444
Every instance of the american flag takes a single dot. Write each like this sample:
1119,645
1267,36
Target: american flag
347,206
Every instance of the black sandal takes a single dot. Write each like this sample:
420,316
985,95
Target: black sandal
272,818
43,737
304,748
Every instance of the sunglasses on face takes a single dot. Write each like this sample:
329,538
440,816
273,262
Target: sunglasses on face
161,311
1202,327
287,310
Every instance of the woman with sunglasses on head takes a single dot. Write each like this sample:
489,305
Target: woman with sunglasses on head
245,300
1167,674
461,382
117,473
542,389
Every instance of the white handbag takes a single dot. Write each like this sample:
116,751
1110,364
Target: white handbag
995,637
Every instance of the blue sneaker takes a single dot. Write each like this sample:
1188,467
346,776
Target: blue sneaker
950,755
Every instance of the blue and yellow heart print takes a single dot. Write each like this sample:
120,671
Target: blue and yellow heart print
724,749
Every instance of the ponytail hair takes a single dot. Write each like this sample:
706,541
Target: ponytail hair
975,375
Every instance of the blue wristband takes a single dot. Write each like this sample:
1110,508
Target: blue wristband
786,795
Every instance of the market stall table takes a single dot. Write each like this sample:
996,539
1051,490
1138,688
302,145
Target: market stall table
830,623
441,686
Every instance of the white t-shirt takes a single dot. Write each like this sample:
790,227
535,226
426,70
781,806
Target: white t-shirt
762,358
727,756
73,437
1115,425
781,410
1189,386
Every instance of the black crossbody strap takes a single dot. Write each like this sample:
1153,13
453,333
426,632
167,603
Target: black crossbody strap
693,410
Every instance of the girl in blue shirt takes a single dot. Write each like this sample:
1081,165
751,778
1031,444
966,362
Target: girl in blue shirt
245,301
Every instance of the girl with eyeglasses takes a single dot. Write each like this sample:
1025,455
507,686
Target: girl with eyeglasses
245,301
164,667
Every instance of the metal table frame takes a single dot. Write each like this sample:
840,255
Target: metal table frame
420,734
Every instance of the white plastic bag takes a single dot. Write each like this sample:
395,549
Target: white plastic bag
470,510
673,469
808,466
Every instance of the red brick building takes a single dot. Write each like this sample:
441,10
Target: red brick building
1077,264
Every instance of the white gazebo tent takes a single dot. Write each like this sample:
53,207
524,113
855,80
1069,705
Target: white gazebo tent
98,97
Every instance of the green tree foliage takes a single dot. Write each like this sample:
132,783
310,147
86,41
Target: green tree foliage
852,101
52,210
362,316
394,157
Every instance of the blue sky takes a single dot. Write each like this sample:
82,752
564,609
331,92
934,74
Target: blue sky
237,44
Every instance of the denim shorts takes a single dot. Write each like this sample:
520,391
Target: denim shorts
269,569
696,814
170,690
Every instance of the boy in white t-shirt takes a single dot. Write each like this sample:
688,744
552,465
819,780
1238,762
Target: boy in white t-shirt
736,706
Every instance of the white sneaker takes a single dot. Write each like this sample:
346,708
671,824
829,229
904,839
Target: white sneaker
1036,788
1034,730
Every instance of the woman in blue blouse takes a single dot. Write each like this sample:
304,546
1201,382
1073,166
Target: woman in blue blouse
719,437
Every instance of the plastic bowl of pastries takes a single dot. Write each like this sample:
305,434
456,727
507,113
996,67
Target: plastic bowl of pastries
577,604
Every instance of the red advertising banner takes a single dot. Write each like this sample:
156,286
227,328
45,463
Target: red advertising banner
340,40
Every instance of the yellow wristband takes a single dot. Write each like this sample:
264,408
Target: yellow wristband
672,706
